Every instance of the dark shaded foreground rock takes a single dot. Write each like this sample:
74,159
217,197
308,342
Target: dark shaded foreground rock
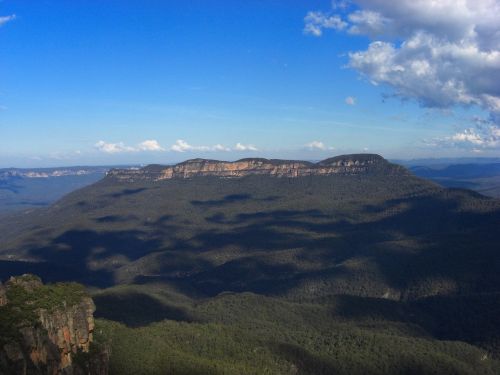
48,329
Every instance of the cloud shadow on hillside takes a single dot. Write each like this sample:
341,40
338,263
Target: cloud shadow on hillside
232,199
136,309
450,244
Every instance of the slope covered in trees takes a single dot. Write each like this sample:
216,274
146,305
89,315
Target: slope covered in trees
259,273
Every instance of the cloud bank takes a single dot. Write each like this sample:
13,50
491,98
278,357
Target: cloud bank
484,136
183,146
440,53
152,145
120,147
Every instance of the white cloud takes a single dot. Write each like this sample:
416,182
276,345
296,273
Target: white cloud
150,145
315,22
5,19
115,148
439,53
242,147
340,4
318,145
350,100
367,22
468,135
486,135
219,147
315,145
183,146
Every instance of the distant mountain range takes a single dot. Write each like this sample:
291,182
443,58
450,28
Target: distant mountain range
8,173
481,177
24,188
458,171
443,162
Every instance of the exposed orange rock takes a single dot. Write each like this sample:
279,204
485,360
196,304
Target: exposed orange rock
344,165
49,345
3,295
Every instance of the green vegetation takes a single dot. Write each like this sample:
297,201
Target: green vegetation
382,274
361,235
251,334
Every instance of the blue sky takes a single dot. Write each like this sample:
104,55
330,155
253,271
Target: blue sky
141,82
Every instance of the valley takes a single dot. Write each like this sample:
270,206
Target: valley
357,271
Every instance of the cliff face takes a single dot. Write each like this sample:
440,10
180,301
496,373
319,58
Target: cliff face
343,165
3,295
48,329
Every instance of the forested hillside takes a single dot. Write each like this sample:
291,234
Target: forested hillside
351,273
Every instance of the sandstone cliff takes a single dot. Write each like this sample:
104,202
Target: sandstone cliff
3,295
343,165
47,329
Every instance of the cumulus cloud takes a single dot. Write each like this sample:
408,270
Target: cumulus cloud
113,148
120,147
439,53
150,145
219,147
315,22
242,147
340,4
182,146
317,145
485,135
350,100
468,135
5,19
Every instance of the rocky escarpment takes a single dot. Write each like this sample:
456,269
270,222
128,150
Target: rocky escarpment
339,165
48,329
3,295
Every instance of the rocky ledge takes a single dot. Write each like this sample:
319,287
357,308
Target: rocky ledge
339,165
48,329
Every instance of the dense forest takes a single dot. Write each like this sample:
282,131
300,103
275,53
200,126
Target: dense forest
348,274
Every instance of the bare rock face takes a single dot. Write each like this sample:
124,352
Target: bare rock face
343,165
27,282
3,295
48,329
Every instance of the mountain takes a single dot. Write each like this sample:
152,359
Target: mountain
347,164
443,162
481,177
459,171
349,265
38,187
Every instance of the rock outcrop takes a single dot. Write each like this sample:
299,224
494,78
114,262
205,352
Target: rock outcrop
3,295
48,329
343,165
